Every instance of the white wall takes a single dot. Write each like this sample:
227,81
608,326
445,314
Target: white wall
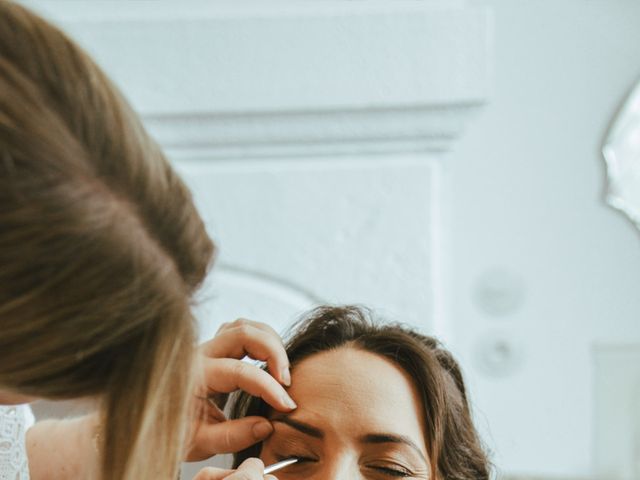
527,198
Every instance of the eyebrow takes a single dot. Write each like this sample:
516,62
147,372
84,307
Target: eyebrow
300,426
371,438
393,438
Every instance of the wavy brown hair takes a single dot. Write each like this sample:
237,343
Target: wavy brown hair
101,250
453,445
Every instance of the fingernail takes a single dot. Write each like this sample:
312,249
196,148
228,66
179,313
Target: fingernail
262,429
289,402
286,376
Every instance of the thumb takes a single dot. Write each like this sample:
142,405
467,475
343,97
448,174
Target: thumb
232,435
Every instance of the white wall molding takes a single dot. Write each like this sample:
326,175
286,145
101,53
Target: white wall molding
318,78
286,134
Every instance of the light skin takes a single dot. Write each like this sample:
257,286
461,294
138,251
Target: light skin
222,372
358,417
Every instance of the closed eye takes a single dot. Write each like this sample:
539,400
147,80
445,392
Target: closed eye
392,471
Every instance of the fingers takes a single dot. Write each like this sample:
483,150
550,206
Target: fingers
225,375
251,469
225,372
230,436
257,340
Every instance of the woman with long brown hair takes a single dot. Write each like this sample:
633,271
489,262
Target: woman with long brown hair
375,401
101,252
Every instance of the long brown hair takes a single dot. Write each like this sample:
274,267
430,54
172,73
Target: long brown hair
101,250
453,445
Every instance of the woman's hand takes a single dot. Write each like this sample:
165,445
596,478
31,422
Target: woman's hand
225,372
251,469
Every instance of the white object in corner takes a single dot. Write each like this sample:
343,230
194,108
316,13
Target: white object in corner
621,151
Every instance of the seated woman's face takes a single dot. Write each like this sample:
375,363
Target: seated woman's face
358,417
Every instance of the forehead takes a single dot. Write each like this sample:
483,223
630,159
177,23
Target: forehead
350,392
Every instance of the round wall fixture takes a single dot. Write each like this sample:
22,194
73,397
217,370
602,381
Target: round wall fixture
498,354
499,292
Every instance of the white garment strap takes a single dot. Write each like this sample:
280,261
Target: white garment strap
14,422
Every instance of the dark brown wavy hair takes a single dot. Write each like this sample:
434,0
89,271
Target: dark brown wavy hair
453,445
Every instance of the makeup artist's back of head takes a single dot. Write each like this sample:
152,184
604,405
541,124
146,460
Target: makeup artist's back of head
101,249
452,444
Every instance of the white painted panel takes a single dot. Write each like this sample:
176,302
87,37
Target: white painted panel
353,231
617,426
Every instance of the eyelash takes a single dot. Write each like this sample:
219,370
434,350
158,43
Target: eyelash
393,472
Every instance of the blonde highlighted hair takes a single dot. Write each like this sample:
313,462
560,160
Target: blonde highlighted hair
101,250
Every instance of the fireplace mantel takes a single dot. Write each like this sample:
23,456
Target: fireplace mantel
291,77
